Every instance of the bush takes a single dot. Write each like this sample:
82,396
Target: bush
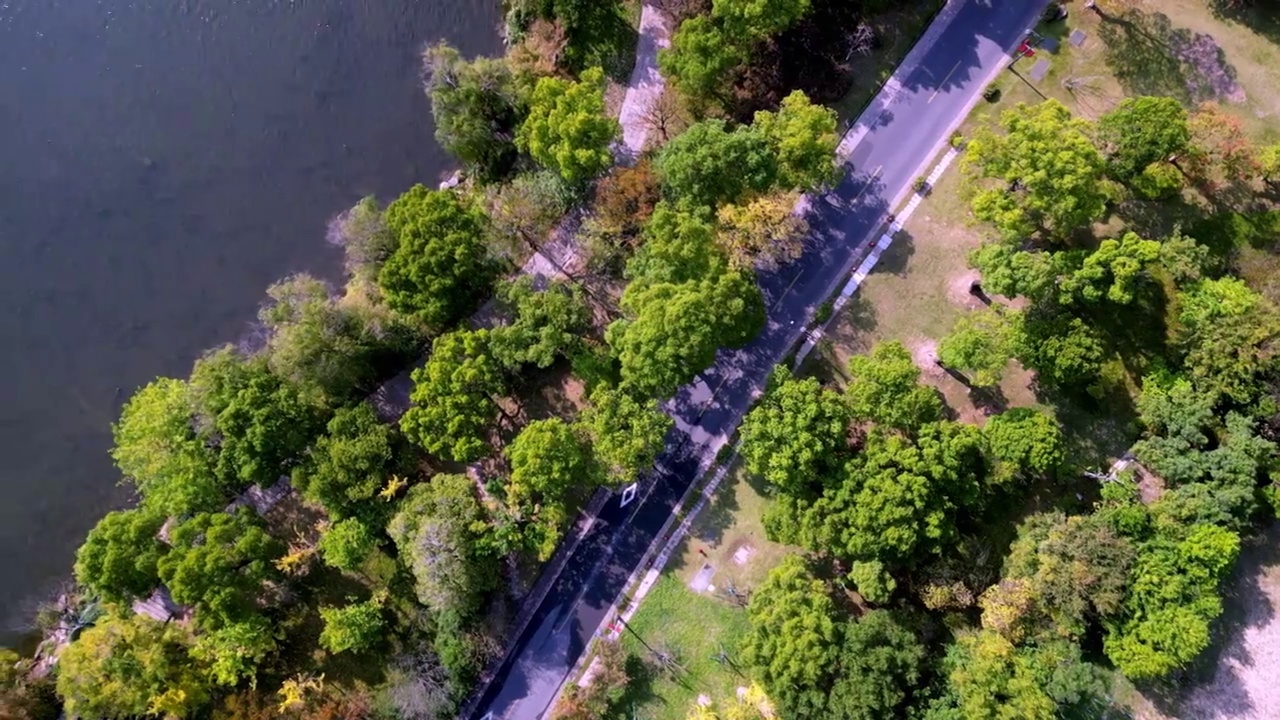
991,94
1159,181
921,185
957,140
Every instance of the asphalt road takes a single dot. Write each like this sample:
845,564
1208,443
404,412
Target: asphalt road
937,91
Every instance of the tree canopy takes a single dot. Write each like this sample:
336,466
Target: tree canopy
440,269
131,667
348,464
1048,158
567,129
626,434
802,134
1113,271
327,348
671,332
550,464
709,164
439,530
679,247
1024,443
884,388
454,396
981,344
991,678
119,558
218,564
354,627
797,435
1141,131
753,19
159,451
475,108
547,324
764,231
793,640
1171,602
346,544
1060,572
1229,334
879,667
900,499
701,59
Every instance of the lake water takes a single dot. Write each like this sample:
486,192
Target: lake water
161,162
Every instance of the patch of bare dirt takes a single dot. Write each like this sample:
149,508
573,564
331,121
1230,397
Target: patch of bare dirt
924,352
960,290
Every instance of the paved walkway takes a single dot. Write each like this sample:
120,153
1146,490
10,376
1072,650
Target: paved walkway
646,83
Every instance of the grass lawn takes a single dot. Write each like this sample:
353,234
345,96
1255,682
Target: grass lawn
695,626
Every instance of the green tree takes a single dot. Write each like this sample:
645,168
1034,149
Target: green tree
348,464
130,667
797,435
263,431
884,388
879,666
547,323
793,640
567,129
803,136
1024,443
356,627
322,345
440,269
701,60
1047,155
347,544
1229,333
1171,602
118,559
764,231
159,452
873,581
550,464
439,531
679,246
233,653
626,434
754,19
1113,271
1012,272
900,498
1060,572
454,396
981,344
709,164
990,678
1141,131
474,105
671,332
1064,351
218,564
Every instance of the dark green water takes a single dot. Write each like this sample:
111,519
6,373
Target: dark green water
161,162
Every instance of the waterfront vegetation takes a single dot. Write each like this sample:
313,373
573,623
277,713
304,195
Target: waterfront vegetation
924,521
